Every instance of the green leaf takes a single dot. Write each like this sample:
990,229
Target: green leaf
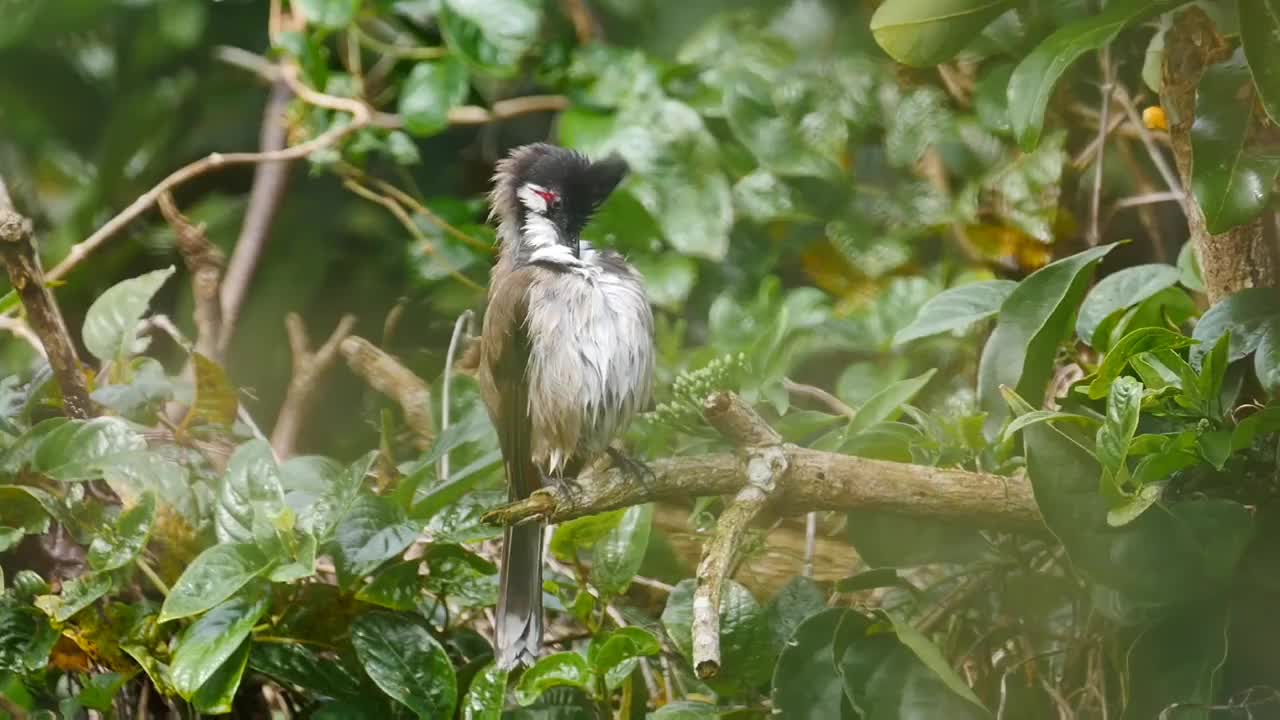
77,594
1124,404
99,692
1161,559
668,278
616,558
564,668
956,309
1032,321
1250,315
296,664
746,646
251,502
932,657
583,533
213,639
1138,342
615,655
492,35
797,600
1033,80
1121,290
1134,505
1192,276
81,450
396,587
485,697
1231,182
461,575
118,543
1038,416
1177,660
931,32
777,140
886,405
807,683
330,14
372,532
213,576
685,711
111,322
1260,36
432,88
403,659
216,695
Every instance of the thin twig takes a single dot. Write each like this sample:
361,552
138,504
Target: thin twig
417,207
445,382
407,221
386,375
265,197
816,393
361,115
1093,236
396,51
308,366
22,331
1157,156
18,252
810,542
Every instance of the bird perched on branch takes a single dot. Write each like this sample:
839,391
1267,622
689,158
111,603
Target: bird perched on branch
566,354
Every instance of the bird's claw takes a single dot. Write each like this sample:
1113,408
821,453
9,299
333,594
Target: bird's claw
636,469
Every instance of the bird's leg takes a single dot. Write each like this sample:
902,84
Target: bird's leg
567,484
633,468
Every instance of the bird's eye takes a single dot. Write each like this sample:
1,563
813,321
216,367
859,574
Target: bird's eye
550,197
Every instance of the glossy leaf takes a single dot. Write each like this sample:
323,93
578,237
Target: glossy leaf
616,558
492,35
432,88
1121,290
807,683
1251,316
396,587
932,657
1136,343
403,659
76,595
1177,660
373,531
931,32
80,449
297,664
564,668
746,647
484,700
117,544
615,655
956,309
1032,321
886,405
1260,37
111,322
251,504
216,695
213,576
1231,182
1033,80
1159,560
213,639
795,602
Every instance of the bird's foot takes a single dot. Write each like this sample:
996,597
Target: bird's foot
568,486
633,468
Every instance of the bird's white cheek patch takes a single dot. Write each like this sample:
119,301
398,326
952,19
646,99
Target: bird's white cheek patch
528,195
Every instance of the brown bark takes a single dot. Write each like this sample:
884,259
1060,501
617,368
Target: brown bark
1245,256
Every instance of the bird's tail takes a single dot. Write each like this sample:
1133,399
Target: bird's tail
519,631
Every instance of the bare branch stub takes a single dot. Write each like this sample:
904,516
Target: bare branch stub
205,262
23,265
386,375
764,463
308,366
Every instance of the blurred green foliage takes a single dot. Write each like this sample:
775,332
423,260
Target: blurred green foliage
918,241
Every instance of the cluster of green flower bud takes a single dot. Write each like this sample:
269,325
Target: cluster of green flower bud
692,387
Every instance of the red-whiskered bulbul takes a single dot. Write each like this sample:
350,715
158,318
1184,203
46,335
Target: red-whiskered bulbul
566,353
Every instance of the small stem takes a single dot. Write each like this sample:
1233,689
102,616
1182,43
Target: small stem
152,576
462,320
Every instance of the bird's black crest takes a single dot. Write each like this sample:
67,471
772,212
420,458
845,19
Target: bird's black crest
584,185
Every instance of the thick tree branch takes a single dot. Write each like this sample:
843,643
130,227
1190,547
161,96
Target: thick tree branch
308,366
265,197
386,375
18,252
1244,256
